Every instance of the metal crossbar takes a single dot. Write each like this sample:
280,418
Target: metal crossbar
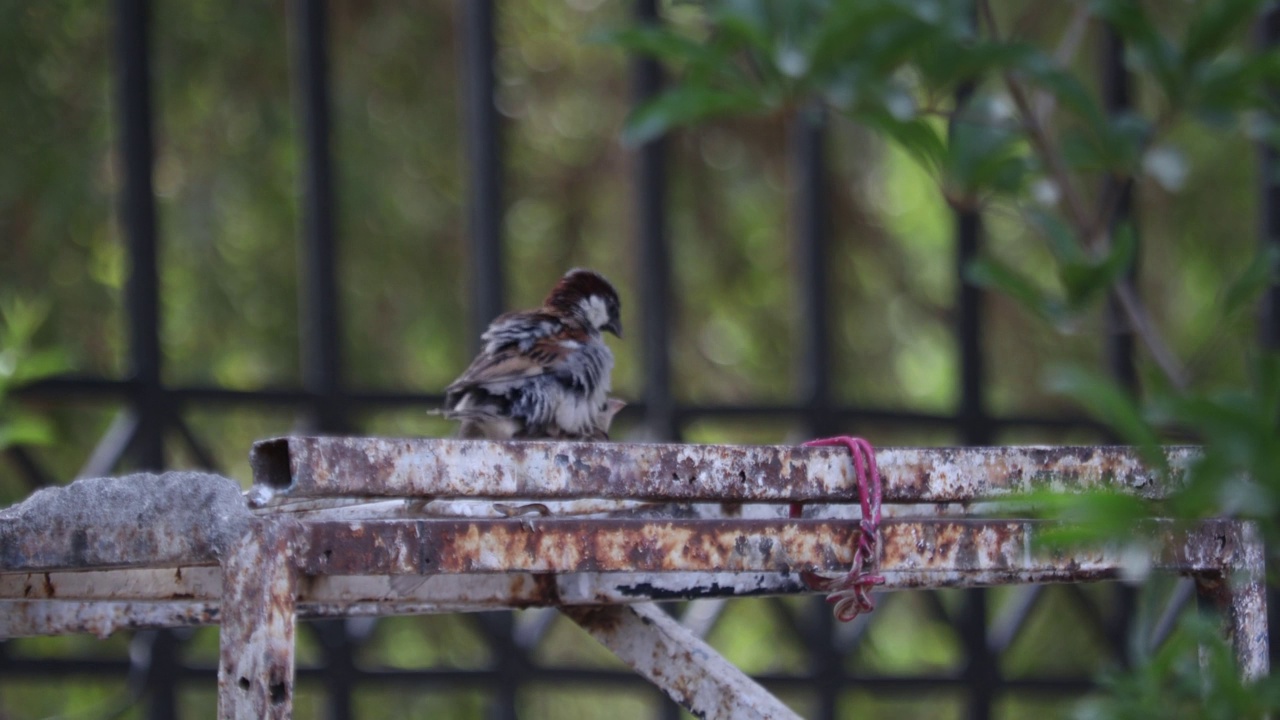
609,528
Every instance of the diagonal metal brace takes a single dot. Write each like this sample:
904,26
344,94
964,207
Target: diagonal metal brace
684,667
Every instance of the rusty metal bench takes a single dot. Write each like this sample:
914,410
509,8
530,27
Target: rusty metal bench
339,527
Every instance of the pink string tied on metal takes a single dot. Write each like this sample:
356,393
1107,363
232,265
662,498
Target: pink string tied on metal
851,592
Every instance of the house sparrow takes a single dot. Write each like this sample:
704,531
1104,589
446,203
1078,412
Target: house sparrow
543,373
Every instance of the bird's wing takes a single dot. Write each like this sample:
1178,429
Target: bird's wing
536,351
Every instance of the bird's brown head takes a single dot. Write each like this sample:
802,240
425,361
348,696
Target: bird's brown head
587,295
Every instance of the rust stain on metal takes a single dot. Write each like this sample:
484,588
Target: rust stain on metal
255,671
684,473
138,584
676,545
25,618
565,545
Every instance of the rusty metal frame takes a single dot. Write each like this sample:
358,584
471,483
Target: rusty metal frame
609,527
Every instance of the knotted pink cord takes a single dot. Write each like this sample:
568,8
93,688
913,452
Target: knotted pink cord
851,593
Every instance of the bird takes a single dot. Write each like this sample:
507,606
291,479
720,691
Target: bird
544,373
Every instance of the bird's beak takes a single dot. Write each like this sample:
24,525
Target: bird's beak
615,327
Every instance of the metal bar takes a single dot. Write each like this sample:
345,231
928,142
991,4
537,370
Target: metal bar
508,663
364,467
113,445
199,450
138,215
1269,172
650,182
71,388
916,555
687,669
339,666
812,220
1116,98
914,548
321,330
484,159
974,425
981,671
1239,591
27,618
255,671
1247,612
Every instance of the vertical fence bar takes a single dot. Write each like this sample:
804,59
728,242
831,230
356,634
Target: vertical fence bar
811,221
321,328
1116,98
138,215
654,263
975,428
482,124
142,296
1269,172
808,132
510,667
1120,340
321,331
974,423
982,667
484,158
1269,313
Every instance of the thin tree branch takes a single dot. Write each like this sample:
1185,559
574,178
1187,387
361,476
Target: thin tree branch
1094,230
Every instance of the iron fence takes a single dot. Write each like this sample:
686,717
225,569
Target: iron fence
328,405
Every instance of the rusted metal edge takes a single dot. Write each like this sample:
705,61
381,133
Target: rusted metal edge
460,546
103,601
687,669
259,592
421,467
27,618
1240,593
672,545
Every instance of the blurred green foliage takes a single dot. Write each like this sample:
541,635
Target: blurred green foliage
904,154
22,363
1004,124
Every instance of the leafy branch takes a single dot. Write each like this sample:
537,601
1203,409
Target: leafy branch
21,363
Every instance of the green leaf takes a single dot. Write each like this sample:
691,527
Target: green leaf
1218,23
1088,280
990,273
1091,517
660,43
25,429
986,151
922,138
1260,274
685,105
1065,87
40,364
1103,398
947,63
1151,51
1061,240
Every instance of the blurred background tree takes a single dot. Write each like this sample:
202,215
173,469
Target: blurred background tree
227,179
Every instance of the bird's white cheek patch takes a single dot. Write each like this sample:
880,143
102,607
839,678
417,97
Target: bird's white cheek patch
596,311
